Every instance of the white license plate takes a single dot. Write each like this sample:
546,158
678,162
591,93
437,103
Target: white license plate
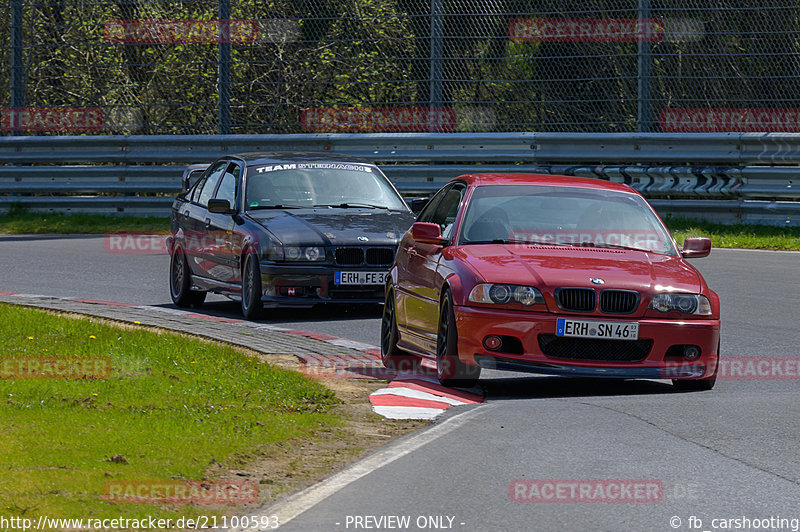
614,330
359,278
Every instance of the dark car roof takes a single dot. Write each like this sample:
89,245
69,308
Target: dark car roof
265,157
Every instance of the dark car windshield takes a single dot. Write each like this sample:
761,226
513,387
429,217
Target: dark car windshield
569,216
324,185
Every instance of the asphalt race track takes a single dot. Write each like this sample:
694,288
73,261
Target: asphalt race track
726,454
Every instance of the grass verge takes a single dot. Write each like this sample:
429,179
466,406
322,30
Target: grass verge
737,236
172,408
17,222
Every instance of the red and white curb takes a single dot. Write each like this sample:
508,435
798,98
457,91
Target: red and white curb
419,396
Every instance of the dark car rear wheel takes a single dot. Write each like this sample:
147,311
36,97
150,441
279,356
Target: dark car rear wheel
252,306
180,281
449,369
698,385
392,356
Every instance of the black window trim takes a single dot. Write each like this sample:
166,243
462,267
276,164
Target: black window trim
203,180
442,192
231,163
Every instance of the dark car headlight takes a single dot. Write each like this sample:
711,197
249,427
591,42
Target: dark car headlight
304,254
683,303
271,248
503,294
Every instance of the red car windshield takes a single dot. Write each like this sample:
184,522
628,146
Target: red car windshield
569,216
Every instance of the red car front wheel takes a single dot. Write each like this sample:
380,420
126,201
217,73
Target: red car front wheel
449,369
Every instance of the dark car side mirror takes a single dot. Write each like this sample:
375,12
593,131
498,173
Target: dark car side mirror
418,204
220,206
427,233
696,247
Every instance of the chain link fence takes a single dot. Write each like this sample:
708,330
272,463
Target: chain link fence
298,66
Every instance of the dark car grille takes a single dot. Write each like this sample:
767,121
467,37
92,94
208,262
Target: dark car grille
594,349
349,256
380,256
618,301
368,256
577,299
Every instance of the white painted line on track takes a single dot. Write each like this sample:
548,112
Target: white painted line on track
302,501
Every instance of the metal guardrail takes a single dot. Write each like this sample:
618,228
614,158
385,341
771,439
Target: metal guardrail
728,179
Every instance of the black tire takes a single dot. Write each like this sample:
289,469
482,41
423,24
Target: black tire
180,281
392,356
449,369
697,385
252,306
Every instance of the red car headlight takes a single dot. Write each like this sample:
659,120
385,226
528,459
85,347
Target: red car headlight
684,303
503,294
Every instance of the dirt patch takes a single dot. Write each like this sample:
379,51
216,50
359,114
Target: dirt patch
288,467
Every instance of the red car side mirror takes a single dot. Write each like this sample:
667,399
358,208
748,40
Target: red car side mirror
427,233
696,247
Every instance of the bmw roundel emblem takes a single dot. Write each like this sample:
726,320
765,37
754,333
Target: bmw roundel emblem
597,280
363,239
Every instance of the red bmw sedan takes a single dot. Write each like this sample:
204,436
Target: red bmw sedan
552,275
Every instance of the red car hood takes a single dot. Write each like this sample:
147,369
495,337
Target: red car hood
550,267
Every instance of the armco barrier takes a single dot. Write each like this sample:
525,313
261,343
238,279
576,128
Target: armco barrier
725,177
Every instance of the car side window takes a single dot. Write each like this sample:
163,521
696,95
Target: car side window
211,183
447,210
227,187
427,213
194,195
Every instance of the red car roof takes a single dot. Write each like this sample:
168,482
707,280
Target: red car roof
543,179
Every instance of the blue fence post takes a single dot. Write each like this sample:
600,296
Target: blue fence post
437,31
17,67
643,93
224,68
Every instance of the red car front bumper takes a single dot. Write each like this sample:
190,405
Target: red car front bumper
660,346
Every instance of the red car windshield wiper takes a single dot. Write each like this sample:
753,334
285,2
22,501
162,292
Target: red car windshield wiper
505,241
604,245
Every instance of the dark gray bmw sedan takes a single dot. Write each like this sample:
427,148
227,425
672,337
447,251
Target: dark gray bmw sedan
285,229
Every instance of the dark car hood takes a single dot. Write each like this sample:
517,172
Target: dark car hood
552,267
335,226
